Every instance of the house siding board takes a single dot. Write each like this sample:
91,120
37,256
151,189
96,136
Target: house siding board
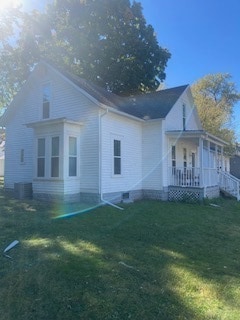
130,133
174,119
66,101
19,137
152,155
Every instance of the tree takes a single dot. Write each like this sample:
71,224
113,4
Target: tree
106,41
10,20
215,96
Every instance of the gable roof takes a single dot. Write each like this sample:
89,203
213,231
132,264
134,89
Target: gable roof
153,105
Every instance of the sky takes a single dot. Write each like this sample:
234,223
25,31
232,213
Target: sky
201,35
203,38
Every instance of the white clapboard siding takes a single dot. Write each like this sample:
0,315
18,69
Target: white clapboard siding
69,102
152,155
174,119
130,133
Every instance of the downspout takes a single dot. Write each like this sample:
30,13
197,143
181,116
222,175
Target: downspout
100,162
100,152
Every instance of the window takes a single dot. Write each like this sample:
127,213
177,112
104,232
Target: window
46,101
117,156
173,156
41,157
184,116
184,157
72,168
22,156
55,157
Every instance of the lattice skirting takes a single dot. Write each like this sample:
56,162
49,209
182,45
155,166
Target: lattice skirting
185,194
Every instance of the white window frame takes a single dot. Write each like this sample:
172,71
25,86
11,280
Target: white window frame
22,156
173,156
46,105
73,156
54,157
184,116
117,156
41,156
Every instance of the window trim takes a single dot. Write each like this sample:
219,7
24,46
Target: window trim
73,156
41,157
184,116
117,157
22,156
173,153
46,86
55,157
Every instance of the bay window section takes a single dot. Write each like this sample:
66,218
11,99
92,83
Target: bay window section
55,157
72,167
41,153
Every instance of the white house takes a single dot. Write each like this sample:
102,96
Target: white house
2,145
71,140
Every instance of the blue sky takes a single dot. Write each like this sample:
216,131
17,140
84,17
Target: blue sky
201,35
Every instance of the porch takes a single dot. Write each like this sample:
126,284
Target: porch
192,177
194,165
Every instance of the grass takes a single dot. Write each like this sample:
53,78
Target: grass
153,260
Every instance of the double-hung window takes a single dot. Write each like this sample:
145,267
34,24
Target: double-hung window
72,168
46,101
117,157
41,153
55,157
22,156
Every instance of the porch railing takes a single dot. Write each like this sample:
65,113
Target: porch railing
230,184
184,176
191,177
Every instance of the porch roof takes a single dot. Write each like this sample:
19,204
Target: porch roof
196,134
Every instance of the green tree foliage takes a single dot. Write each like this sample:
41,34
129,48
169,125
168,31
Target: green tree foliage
110,42
106,41
10,21
215,96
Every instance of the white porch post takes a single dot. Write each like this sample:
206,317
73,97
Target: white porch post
201,161
209,160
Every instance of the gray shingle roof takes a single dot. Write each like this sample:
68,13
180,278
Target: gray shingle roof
153,105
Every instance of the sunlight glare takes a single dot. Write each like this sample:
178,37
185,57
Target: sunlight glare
8,4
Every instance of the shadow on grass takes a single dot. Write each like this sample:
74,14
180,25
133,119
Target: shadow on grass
151,261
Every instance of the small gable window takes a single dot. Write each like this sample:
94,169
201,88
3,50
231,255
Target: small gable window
184,116
46,101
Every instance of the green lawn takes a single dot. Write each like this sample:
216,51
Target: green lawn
153,260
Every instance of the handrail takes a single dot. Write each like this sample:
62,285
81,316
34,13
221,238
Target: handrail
230,184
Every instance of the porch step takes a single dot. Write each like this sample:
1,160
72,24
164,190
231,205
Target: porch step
229,185
228,193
